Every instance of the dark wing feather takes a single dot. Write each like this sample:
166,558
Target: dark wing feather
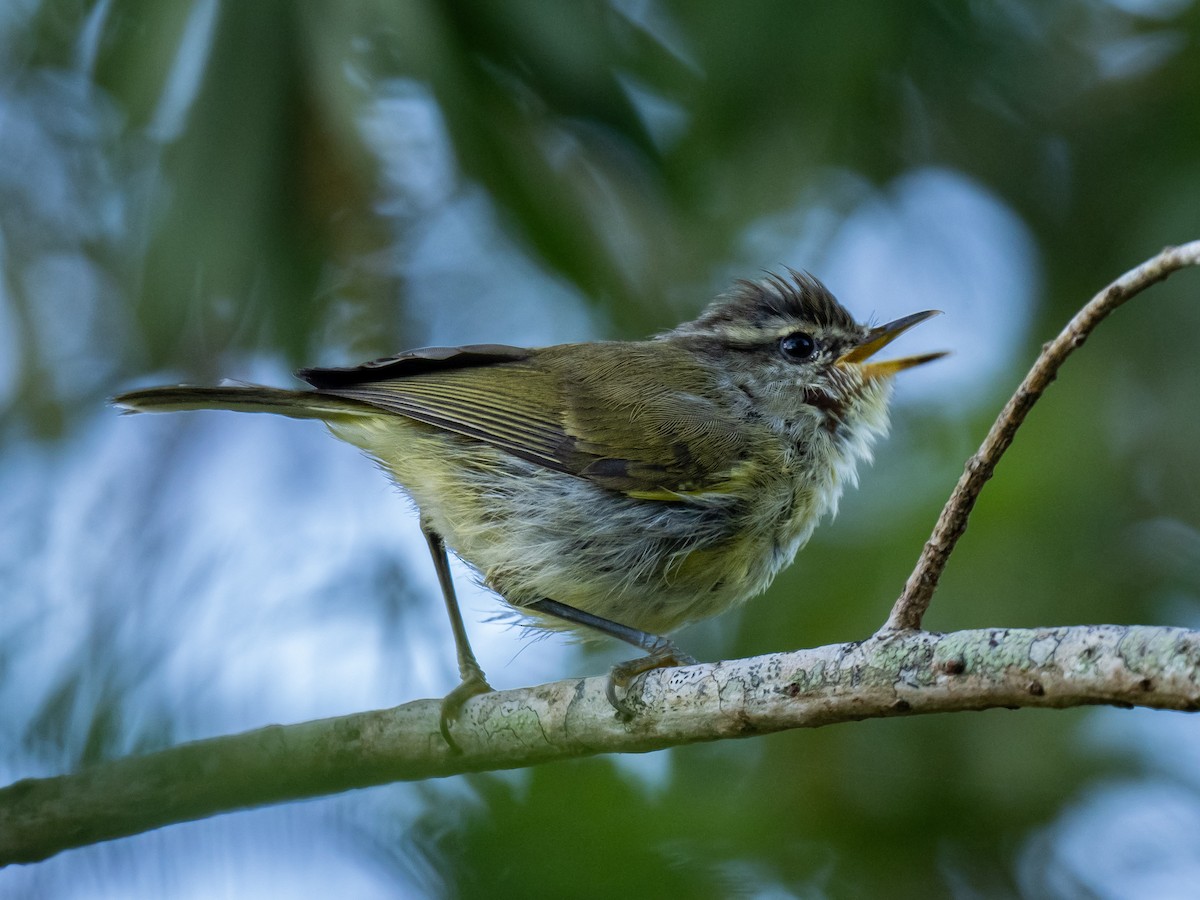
412,362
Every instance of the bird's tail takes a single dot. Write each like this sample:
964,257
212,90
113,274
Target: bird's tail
247,398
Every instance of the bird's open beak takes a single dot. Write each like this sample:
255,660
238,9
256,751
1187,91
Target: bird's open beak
880,337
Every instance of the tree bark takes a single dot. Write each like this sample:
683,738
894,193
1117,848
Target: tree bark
903,673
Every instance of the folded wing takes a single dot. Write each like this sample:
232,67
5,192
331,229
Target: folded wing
611,421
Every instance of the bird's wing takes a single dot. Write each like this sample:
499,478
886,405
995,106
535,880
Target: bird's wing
413,362
610,421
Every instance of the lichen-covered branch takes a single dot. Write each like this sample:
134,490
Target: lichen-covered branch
904,673
910,608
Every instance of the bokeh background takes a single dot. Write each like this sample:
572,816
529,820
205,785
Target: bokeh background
194,189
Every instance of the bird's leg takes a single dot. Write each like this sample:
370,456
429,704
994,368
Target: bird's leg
661,652
473,681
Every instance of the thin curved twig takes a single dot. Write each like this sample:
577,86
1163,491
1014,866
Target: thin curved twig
912,604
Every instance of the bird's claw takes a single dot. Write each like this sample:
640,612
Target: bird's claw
472,685
666,656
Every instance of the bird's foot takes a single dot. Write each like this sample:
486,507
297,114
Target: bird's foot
663,656
472,685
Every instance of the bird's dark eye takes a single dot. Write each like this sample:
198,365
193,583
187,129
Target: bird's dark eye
798,346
